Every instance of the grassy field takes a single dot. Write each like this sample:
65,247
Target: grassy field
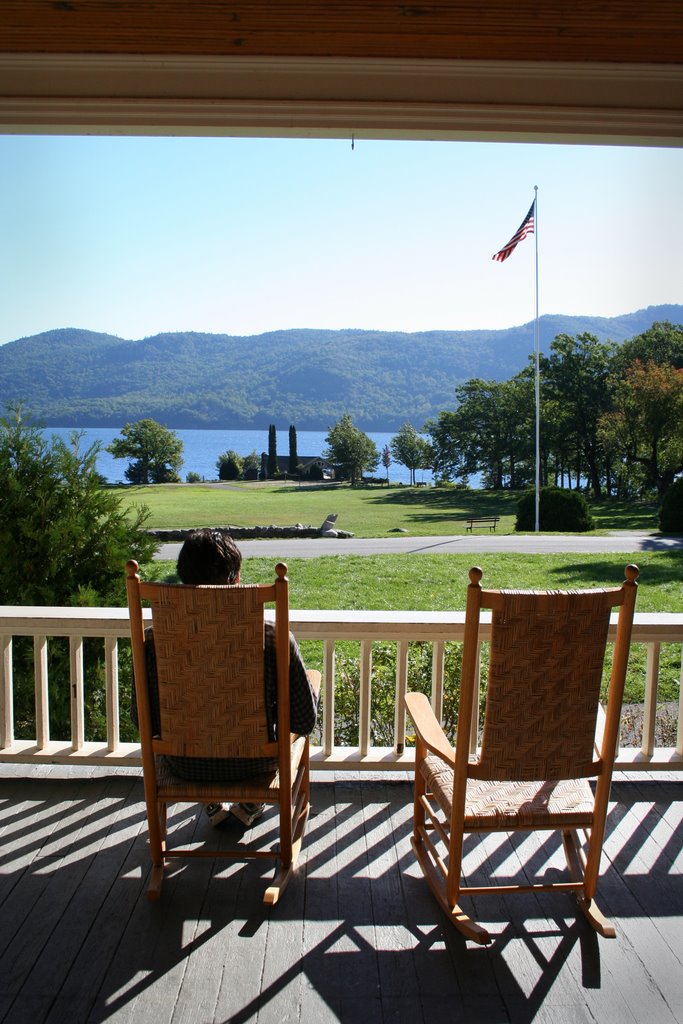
365,512
423,582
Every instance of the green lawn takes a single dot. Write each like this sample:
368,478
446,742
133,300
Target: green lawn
365,512
421,582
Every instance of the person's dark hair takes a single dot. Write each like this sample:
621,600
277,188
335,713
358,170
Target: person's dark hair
209,557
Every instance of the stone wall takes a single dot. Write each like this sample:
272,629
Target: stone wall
254,532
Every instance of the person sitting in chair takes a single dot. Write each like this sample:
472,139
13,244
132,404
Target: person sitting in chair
210,557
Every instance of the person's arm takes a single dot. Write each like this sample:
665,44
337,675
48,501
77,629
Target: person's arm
151,666
303,698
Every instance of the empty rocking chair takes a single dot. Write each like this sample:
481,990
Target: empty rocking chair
544,735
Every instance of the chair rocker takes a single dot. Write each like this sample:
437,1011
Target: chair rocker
544,736
209,652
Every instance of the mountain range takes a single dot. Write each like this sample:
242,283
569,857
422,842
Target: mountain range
73,377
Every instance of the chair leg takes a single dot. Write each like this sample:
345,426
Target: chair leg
284,871
455,914
576,863
156,879
596,918
419,790
157,846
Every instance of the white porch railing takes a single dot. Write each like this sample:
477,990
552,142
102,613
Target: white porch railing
329,627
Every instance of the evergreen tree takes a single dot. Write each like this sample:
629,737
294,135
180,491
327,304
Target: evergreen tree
63,537
272,450
293,457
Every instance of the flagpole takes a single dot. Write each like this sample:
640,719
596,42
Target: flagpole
537,375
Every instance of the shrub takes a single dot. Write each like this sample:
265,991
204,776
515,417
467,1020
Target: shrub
229,466
383,689
559,510
193,478
63,541
671,509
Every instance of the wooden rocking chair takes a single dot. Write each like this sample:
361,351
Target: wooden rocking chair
544,735
209,651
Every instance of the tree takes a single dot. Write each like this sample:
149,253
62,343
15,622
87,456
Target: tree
671,509
63,537
350,449
251,465
64,540
293,457
575,378
386,459
157,452
230,466
411,449
662,344
491,431
646,428
272,451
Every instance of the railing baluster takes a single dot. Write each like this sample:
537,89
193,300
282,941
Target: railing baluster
401,690
679,731
6,694
76,690
437,678
365,697
328,697
650,708
42,701
111,682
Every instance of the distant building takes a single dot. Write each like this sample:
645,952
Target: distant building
313,467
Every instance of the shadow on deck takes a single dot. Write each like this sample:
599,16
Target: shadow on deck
357,936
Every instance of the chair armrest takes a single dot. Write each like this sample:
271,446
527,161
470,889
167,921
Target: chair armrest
427,727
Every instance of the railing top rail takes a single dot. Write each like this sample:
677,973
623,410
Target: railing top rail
316,624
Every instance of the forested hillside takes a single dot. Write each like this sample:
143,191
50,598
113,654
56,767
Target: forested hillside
308,377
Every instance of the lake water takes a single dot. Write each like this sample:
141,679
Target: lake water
201,449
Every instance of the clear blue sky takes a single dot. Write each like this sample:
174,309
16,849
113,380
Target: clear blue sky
135,236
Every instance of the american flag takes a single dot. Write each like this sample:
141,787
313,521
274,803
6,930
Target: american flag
524,229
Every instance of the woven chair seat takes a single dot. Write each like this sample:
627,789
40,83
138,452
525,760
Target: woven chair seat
507,806
258,788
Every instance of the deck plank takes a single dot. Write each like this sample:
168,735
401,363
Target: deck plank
356,935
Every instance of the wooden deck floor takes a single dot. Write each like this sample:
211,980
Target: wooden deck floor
357,937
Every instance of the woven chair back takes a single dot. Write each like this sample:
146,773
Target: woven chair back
208,643
546,663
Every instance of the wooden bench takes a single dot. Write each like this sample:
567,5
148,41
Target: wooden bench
490,521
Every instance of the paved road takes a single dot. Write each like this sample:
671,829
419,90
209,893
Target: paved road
482,543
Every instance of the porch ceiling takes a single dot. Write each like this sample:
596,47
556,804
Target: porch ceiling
576,72
626,31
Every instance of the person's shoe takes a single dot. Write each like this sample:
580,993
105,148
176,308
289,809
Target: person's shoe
217,813
247,813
